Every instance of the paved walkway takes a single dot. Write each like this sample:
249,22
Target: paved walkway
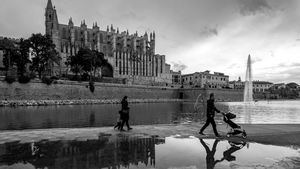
285,134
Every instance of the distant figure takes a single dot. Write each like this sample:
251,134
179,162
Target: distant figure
92,119
125,113
210,159
210,114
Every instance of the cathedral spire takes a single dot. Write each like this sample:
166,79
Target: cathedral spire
49,5
111,28
70,21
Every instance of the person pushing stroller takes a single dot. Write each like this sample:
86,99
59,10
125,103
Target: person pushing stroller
210,113
124,116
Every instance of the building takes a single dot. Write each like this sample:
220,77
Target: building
261,86
176,77
237,84
206,79
258,86
130,56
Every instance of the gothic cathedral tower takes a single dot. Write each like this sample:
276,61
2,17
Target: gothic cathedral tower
52,25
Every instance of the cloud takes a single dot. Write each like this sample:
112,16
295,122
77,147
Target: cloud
296,65
252,7
179,66
209,31
255,60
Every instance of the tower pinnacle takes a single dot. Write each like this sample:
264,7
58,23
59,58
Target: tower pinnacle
49,5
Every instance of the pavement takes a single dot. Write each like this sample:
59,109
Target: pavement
273,134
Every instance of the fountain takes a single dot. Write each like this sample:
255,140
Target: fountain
248,90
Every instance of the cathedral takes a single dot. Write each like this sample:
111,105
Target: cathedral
130,56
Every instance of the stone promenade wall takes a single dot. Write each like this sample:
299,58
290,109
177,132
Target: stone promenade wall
75,90
68,90
220,94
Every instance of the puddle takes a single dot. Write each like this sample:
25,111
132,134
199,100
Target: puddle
142,151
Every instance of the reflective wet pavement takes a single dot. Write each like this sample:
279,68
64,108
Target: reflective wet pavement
77,138
145,151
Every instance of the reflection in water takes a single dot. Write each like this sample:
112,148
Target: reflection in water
210,154
140,151
266,112
235,146
68,116
106,152
227,155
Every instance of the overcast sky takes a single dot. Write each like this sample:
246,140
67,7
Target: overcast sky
195,35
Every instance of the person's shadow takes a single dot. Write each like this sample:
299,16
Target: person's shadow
210,159
227,155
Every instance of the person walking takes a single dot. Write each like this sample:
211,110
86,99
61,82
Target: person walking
210,114
125,114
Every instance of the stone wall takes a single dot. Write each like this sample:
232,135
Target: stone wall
75,90
68,90
220,94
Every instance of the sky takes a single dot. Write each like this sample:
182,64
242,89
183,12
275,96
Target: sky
195,35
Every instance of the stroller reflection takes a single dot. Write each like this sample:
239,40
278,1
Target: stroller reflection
235,146
227,155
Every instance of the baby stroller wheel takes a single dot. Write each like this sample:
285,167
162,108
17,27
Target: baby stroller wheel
244,135
228,135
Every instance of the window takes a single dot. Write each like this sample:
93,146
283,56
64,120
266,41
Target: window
64,34
101,38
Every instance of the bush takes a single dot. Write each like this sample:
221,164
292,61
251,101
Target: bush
85,77
76,78
47,80
24,79
54,78
9,79
32,75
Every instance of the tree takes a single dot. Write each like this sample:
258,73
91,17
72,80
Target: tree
292,85
10,52
23,56
75,62
15,53
44,53
98,61
88,61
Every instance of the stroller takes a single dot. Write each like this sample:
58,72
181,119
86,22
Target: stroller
235,129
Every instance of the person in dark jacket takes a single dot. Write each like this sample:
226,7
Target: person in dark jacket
125,113
210,113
